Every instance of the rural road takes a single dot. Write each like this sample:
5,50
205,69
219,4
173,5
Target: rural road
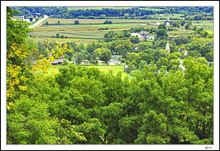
38,22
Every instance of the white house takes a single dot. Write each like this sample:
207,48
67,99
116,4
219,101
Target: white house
167,23
137,34
27,20
144,33
157,23
22,18
33,20
113,62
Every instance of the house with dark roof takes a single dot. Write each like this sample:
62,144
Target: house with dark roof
113,62
58,61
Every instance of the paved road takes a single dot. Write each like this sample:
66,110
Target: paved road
38,22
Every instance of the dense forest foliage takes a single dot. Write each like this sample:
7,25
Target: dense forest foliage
83,105
190,13
158,104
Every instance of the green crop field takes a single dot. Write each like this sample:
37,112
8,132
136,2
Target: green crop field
206,24
180,32
97,21
87,30
72,34
65,40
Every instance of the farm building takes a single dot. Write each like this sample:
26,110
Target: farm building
149,37
116,57
113,62
27,20
157,23
143,33
167,22
137,34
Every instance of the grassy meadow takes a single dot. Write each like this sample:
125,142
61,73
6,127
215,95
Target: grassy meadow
115,70
52,70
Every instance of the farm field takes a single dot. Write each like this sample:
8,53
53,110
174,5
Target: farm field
114,69
180,32
72,34
88,29
98,21
206,24
65,40
52,70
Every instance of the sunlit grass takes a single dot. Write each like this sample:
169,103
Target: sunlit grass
115,70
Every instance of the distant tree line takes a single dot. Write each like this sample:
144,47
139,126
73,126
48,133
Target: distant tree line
135,12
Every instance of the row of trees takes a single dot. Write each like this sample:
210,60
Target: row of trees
198,13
